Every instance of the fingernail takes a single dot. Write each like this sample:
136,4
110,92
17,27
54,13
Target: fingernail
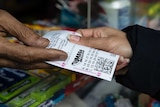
43,42
62,58
127,60
74,38
121,60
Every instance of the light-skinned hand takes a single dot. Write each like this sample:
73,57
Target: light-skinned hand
106,39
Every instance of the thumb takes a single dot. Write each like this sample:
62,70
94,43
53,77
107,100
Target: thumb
97,43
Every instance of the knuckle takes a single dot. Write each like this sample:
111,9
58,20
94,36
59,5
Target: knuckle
26,57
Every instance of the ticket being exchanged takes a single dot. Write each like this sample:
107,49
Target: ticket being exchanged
81,58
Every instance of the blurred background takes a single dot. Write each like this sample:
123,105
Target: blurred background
115,13
45,15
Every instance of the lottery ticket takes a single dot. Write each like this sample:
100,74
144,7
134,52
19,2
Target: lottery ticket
82,59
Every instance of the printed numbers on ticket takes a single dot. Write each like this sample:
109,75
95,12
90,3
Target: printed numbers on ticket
82,59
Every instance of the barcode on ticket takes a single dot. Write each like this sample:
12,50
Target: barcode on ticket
104,65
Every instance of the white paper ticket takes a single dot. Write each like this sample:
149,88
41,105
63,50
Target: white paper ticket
82,59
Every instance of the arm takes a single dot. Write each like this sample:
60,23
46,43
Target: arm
139,44
143,72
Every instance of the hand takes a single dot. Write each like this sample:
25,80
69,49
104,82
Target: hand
31,54
107,39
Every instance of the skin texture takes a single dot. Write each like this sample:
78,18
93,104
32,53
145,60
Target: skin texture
30,53
107,39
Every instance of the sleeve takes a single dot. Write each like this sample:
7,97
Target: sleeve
143,73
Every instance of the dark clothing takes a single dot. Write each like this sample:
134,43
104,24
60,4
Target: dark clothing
143,73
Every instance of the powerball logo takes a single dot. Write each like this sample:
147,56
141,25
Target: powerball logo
78,58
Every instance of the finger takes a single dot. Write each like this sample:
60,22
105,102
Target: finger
121,67
122,71
116,45
122,62
20,31
97,43
100,32
3,33
24,54
85,32
18,65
